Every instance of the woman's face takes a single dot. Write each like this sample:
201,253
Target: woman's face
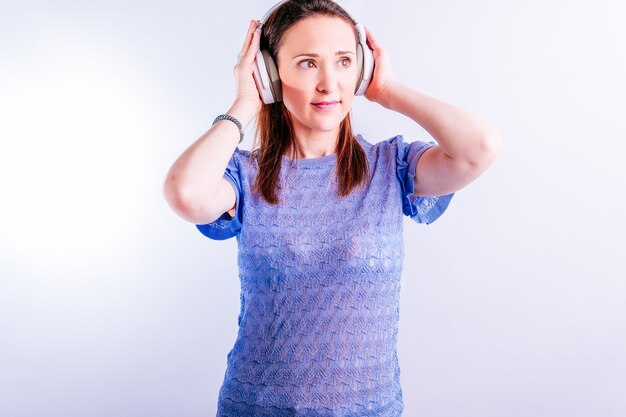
318,68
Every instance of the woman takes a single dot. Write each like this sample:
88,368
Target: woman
318,215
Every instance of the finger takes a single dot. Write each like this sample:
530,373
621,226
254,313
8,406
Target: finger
246,42
371,39
254,47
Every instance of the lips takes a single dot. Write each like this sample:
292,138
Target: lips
326,104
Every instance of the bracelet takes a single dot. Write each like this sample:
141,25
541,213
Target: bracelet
232,119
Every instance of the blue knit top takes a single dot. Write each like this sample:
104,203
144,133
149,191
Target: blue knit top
320,285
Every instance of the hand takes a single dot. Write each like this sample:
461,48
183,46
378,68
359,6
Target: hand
247,93
383,75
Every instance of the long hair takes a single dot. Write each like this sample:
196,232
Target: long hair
274,125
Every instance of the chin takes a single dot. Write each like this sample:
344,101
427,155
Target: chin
328,123
320,123
326,127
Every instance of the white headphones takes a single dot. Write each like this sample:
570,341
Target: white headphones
266,72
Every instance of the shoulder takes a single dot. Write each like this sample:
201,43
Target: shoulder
241,153
241,158
390,146
392,142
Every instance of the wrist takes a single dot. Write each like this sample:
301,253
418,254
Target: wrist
234,120
387,94
244,111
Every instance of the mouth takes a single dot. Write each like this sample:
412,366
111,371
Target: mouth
324,105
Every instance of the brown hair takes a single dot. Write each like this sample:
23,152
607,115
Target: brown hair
274,126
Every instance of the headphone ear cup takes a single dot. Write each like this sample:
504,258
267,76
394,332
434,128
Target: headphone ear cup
365,59
261,79
272,70
266,77
359,61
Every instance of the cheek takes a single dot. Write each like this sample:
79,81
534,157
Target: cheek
347,100
293,97
295,84
299,86
296,95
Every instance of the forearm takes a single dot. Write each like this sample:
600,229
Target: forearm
192,180
460,134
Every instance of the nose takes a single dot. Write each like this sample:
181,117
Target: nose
327,80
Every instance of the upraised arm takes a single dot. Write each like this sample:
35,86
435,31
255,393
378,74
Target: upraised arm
467,144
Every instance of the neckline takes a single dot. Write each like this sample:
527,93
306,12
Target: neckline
309,162
320,161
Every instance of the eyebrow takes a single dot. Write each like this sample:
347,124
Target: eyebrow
317,55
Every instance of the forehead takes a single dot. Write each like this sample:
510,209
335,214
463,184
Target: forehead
318,34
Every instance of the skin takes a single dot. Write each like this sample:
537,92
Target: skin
467,144
317,63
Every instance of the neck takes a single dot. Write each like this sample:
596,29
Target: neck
315,144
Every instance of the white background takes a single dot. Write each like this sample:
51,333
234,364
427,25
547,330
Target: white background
110,305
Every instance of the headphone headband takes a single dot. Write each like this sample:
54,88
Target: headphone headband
280,3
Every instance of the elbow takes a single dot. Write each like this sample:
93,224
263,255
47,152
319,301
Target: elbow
486,151
174,196
184,204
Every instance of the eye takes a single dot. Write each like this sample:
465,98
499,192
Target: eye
345,62
306,64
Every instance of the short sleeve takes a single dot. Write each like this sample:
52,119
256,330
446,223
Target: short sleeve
226,226
421,209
